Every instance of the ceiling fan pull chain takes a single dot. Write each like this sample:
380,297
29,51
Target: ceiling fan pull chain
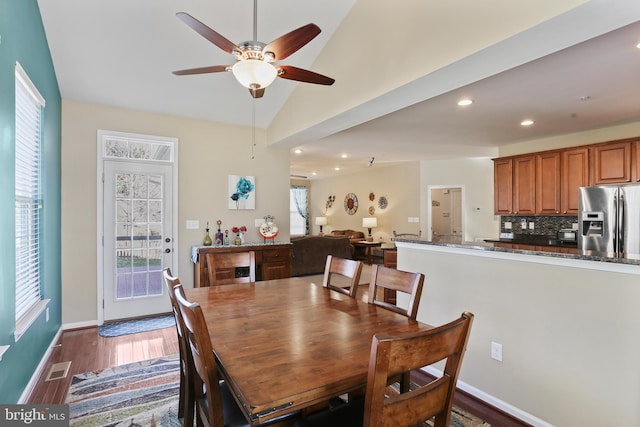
253,127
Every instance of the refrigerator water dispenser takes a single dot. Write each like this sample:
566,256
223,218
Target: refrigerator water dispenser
592,223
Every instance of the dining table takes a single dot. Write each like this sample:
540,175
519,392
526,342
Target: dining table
286,345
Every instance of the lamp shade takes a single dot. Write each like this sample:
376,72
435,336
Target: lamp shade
254,73
370,222
321,220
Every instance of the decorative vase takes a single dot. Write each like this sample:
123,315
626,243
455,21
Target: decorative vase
237,241
226,240
242,238
219,238
207,238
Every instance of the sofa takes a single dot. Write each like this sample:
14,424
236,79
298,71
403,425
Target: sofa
354,236
309,253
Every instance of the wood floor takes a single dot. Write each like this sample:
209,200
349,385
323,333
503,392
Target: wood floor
88,351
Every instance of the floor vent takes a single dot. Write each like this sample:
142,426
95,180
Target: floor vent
58,371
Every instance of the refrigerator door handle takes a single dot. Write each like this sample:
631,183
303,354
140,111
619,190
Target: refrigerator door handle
620,225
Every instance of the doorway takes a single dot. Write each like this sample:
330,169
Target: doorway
446,214
136,223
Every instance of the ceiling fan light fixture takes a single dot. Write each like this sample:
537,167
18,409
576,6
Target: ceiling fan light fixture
254,73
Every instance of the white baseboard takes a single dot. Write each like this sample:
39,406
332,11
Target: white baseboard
494,401
79,325
39,370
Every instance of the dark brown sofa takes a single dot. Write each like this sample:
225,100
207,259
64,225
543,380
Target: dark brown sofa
309,253
354,236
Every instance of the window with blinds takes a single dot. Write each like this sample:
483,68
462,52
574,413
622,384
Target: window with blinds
29,107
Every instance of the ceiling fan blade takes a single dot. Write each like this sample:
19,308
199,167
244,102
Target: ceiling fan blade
285,45
202,70
295,73
209,34
256,93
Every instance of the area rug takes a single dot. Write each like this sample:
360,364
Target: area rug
116,329
146,394
138,394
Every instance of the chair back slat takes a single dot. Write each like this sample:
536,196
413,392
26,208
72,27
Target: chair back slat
397,280
222,267
344,269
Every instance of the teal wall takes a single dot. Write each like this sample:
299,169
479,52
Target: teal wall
22,39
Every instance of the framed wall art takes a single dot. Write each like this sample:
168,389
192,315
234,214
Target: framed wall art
242,192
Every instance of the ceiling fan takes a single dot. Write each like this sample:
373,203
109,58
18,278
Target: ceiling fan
254,67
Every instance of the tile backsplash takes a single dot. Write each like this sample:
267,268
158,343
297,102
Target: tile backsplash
542,225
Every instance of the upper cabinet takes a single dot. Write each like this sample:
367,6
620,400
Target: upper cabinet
524,179
503,186
612,163
547,183
575,174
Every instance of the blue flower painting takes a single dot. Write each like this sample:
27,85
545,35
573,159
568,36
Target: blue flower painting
242,192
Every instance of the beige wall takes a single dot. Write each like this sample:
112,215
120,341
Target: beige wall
207,152
475,177
399,184
569,335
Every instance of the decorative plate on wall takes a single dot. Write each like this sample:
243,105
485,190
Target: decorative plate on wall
382,202
372,196
351,203
372,210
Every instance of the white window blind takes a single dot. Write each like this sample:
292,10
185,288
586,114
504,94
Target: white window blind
29,105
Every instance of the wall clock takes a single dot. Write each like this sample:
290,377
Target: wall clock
351,203
382,202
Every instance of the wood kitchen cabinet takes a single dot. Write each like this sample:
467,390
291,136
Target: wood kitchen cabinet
612,163
548,183
575,174
273,261
635,161
503,186
524,181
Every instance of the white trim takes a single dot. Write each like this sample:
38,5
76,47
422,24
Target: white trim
3,349
26,393
29,317
101,134
493,401
547,258
80,325
463,209
28,84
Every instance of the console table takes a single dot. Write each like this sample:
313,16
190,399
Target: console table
273,260
368,247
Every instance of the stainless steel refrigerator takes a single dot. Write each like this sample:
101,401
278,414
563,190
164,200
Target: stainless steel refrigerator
609,220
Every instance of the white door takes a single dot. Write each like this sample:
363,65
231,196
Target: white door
138,238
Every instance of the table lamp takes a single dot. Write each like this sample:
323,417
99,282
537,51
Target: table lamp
321,220
369,223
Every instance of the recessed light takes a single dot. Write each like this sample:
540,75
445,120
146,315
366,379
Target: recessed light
297,151
314,173
465,102
638,45
344,156
336,168
526,122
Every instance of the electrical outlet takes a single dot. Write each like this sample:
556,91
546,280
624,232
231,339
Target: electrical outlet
496,351
508,225
531,225
574,226
523,224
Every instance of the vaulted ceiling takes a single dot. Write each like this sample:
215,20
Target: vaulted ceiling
400,69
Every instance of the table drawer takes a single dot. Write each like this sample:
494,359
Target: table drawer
276,255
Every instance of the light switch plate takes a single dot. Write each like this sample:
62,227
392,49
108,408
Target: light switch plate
193,224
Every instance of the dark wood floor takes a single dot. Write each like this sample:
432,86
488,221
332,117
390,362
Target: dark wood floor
88,351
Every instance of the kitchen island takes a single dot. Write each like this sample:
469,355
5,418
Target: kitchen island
567,323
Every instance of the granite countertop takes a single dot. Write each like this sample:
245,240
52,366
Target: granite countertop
488,245
537,240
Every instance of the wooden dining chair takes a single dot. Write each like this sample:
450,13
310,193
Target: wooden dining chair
214,402
389,278
223,267
342,275
391,355
186,403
